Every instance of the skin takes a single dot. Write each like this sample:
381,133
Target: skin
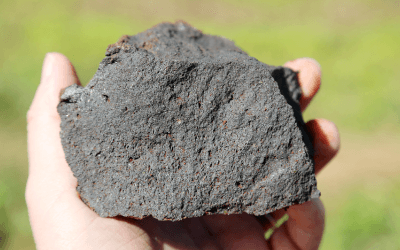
60,220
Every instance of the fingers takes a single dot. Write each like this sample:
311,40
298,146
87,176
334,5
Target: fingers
309,78
49,173
239,231
199,233
325,135
304,228
325,139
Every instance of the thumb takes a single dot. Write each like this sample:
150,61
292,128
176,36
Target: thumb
57,74
49,173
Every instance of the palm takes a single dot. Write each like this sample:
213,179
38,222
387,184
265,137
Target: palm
209,232
60,220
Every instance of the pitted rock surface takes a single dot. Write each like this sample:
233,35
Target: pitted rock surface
178,124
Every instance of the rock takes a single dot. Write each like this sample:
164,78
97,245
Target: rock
177,124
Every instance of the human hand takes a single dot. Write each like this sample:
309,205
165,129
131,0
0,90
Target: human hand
60,220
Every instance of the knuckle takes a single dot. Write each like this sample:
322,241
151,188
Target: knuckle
30,115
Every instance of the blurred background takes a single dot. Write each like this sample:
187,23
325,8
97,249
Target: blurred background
356,42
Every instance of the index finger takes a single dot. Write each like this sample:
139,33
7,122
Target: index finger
309,76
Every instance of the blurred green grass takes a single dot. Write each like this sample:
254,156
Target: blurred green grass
355,42
365,219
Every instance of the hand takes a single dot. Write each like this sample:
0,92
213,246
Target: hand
60,220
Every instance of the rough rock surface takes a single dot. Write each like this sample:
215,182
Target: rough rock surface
178,124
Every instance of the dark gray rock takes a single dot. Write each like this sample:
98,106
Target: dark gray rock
178,124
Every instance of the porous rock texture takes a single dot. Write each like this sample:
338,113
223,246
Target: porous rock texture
178,124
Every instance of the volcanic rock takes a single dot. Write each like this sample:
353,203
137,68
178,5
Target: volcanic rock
178,124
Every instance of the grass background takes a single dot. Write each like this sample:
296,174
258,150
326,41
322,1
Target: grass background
356,43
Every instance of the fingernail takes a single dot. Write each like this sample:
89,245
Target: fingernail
311,60
334,136
329,141
47,68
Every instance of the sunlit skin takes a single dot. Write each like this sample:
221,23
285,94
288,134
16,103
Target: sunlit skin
60,220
